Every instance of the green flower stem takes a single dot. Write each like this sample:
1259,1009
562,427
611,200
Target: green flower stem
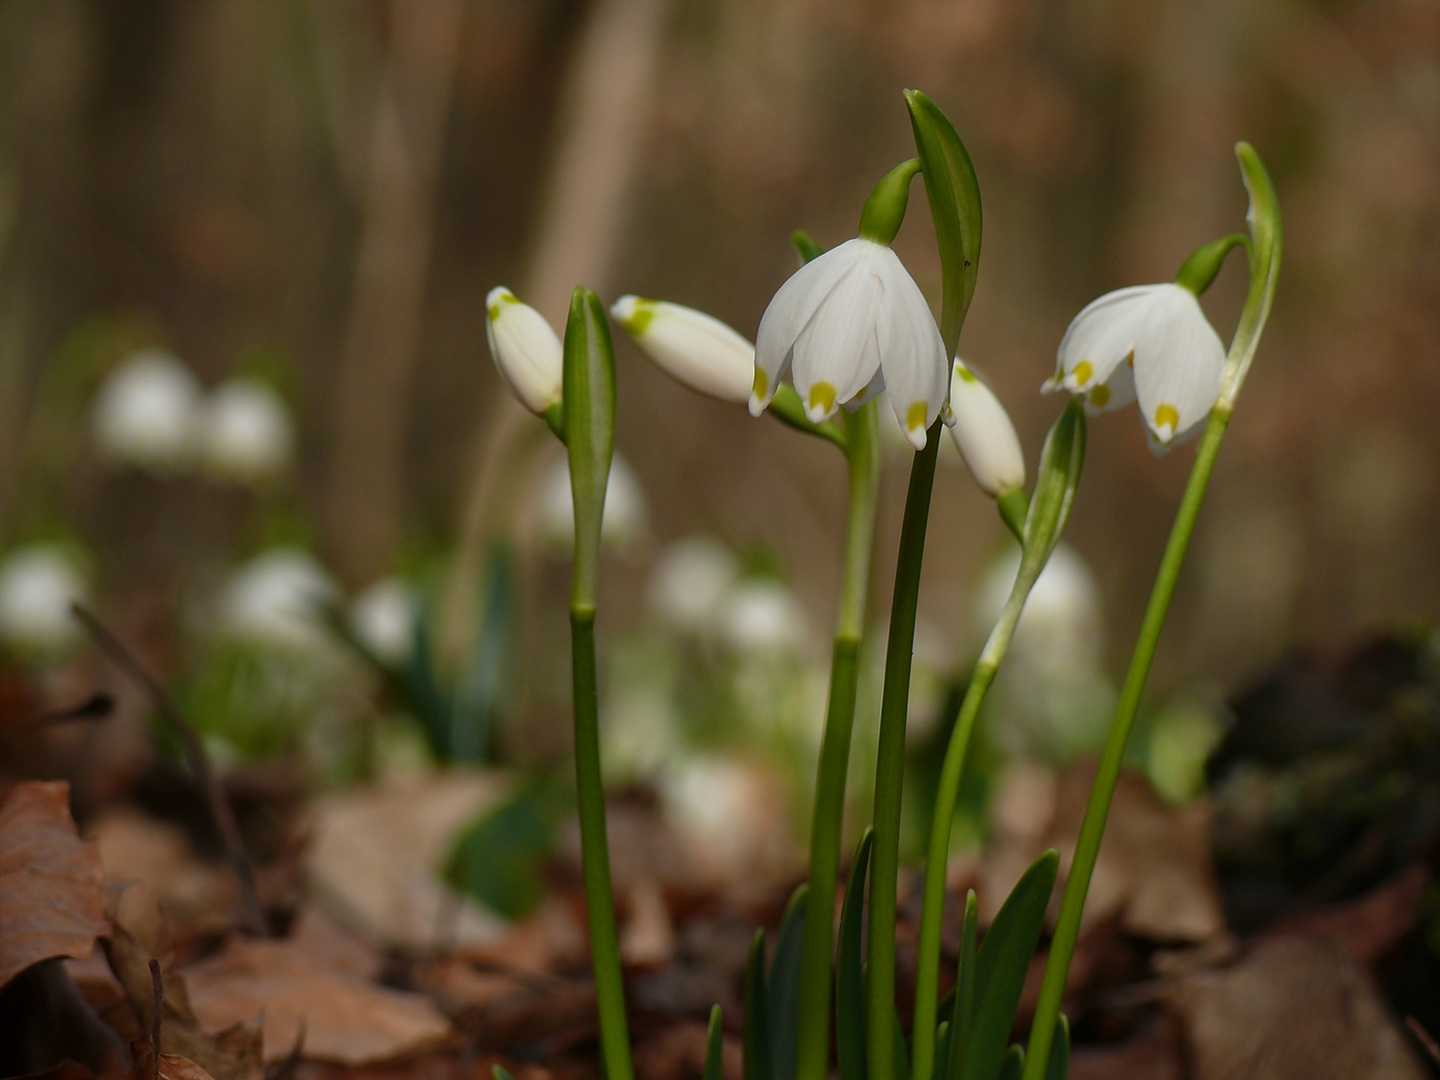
1092,829
863,460
890,763
595,850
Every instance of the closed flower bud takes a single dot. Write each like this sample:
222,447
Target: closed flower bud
697,349
247,435
984,434
527,351
146,415
37,586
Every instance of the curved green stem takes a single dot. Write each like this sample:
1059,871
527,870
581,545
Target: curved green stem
595,851
863,460
890,763
1092,829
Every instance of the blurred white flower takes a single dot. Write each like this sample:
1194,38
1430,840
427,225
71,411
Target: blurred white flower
527,351
147,414
984,434
1062,625
247,435
764,617
382,617
697,349
275,598
730,815
640,732
37,586
626,513
690,581
847,325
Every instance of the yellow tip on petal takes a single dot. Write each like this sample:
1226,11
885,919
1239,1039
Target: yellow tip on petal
965,373
1167,419
821,403
1082,373
1100,397
639,316
915,417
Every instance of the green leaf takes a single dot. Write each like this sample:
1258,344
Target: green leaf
1012,1065
963,1016
499,1072
756,1034
714,1046
1059,1064
782,989
902,1050
954,194
589,397
849,974
1001,965
483,692
497,859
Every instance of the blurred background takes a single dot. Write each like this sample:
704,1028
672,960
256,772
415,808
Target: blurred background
244,249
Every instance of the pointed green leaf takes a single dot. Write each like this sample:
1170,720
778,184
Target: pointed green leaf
501,1073
714,1046
756,1035
805,246
849,974
1059,1065
1001,964
902,1051
782,989
942,1041
1012,1065
589,397
954,194
963,1016
497,859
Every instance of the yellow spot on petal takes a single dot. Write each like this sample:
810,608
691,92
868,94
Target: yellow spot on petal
761,384
822,398
1100,396
1167,416
915,417
1130,360
1082,373
494,312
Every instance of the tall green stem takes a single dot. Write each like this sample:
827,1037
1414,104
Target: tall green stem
890,763
863,460
595,850
1092,829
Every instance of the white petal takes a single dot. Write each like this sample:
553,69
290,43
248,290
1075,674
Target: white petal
527,352
1102,336
837,353
984,434
1115,392
912,354
790,311
1178,362
698,349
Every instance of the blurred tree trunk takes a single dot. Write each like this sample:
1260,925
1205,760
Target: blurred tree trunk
382,342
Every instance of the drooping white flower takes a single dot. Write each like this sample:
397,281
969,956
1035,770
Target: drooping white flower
690,581
984,434
37,586
527,351
274,600
626,513
382,616
147,413
1150,342
697,349
847,325
764,617
247,435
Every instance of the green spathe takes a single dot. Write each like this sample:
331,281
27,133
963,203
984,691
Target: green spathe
589,415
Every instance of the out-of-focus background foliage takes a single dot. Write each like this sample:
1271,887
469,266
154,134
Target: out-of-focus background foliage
317,195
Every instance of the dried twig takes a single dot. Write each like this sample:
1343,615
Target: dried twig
199,762
158,984
98,706
1424,1038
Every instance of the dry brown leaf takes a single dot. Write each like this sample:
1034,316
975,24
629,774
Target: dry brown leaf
345,1019
1295,1008
172,1066
233,1054
51,901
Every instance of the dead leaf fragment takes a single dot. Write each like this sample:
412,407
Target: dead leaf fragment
172,1066
51,901
346,1020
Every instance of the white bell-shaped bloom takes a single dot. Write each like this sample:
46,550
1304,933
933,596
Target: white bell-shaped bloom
247,435
382,617
695,348
527,351
1150,342
147,414
764,617
626,512
847,325
984,434
275,600
690,581
37,586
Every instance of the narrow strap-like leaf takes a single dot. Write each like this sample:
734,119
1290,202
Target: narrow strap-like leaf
963,1015
782,989
714,1046
1001,964
756,1034
1012,1065
849,972
1059,1067
902,1050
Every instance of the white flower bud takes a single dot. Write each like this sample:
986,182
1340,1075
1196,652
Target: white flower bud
690,582
146,414
274,600
984,434
382,617
247,435
527,352
697,349
761,617
37,586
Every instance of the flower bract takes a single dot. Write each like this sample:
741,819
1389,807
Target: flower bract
846,326
695,348
984,434
526,349
1150,342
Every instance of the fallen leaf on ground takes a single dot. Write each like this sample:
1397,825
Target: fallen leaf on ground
374,855
172,1066
1295,1008
344,1018
51,898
